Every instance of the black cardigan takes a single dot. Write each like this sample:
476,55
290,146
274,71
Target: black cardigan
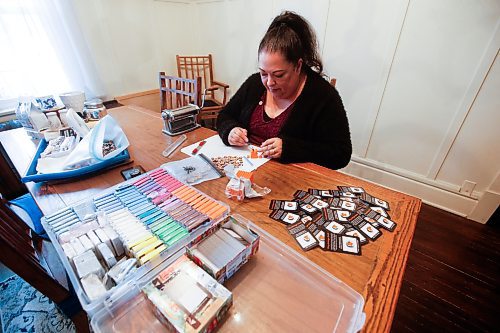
316,130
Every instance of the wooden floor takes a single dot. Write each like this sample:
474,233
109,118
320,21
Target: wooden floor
149,99
451,283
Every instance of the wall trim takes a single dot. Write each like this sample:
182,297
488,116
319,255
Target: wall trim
138,94
488,203
186,2
402,181
485,207
455,189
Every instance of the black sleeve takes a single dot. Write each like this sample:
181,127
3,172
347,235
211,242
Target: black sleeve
320,134
233,114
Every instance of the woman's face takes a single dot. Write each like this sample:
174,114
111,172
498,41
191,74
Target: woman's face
280,77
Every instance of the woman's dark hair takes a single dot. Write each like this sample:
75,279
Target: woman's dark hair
291,35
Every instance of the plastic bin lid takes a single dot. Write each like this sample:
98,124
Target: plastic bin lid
278,290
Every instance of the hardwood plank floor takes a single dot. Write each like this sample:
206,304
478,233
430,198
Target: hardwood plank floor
149,100
451,279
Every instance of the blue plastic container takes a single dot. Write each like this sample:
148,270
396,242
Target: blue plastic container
31,174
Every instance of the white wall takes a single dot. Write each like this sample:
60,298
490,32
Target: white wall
360,42
131,41
419,79
435,60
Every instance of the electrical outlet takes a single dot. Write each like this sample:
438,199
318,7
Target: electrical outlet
467,187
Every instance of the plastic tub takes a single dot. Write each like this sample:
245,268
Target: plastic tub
32,175
278,290
85,207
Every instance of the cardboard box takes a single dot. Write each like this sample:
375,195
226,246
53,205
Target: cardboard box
208,248
186,299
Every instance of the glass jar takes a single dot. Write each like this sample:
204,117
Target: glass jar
94,109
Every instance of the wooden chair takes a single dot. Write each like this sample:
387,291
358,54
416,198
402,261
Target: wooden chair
176,92
201,66
10,181
37,263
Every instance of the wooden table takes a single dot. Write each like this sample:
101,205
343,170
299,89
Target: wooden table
376,275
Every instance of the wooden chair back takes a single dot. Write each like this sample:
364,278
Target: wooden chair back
191,67
176,92
214,92
22,252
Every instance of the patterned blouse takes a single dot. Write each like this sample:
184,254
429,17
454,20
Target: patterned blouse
262,127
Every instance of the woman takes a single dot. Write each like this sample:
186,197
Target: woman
288,108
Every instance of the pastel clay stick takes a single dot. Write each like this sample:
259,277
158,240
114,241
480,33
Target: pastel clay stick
193,198
173,186
145,245
188,196
140,243
150,255
155,187
159,177
164,230
148,248
190,190
172,206
156,172
176,238
208,206
185,192
216,207
140,180
182,214
180,191
203,201
216,213
196,201
156,224
166,233
180,211
189,216
158,229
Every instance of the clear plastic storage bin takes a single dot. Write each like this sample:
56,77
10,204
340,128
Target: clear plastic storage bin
86,207
278,290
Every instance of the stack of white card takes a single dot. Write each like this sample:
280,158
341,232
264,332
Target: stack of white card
221,248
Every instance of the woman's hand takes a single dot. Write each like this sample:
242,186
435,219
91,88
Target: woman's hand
238,137
272,148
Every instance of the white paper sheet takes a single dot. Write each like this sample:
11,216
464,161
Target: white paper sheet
214,147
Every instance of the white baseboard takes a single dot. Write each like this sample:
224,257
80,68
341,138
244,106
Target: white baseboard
432,195
486,207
